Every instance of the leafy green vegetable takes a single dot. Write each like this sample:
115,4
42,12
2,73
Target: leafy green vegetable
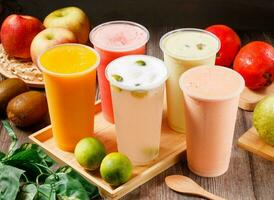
66,186
2,155
31,168
91,189
46,192
32,153
30,158
9,182
27,192
13,137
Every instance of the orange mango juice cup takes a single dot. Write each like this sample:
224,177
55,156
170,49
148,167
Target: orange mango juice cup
211,99
113,40
69,72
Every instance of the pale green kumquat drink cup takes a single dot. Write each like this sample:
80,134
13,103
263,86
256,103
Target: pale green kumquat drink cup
137,90
184,49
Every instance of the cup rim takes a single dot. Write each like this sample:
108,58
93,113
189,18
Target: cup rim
131,48
185,30
57,74
129,88
208,99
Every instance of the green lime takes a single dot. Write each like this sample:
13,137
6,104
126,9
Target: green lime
116,169
263,119
89,152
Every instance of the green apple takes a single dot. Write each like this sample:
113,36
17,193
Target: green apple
49,38
72,18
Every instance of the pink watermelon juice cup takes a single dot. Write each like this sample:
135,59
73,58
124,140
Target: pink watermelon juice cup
113,40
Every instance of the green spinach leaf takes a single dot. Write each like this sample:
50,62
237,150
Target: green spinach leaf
2,155
27,192
32,159
33,153
13,137
66,186
46,192
9,182
91,189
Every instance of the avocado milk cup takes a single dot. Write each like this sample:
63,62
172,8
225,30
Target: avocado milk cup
183,49
137,90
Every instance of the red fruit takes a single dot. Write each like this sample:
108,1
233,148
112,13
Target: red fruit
255,62
230,44
17,33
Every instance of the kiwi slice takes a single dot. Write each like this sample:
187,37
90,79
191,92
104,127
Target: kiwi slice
140,63
139,94
117,77
151,151
115,88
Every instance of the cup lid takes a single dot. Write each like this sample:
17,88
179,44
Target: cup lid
211,83
137,72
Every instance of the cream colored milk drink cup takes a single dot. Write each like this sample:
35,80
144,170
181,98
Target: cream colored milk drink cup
137,90
184,49
211,98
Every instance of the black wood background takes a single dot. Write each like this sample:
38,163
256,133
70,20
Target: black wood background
239,14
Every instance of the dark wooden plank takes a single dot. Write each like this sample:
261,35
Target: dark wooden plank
242,15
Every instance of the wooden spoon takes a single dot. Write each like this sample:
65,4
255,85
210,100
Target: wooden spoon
186,185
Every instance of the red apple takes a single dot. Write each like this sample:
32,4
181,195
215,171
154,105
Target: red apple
49,38
17,33
230,44
255,62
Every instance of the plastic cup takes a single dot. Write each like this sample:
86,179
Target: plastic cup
179,57
116,30
211,99
138,109
70,96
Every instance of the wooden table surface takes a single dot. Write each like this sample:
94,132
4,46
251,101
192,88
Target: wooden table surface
249,176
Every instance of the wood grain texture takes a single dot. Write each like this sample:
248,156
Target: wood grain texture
249,176
251,141
171,147
250,98
185,185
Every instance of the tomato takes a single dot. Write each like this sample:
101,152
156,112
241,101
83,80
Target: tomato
255,62
230,44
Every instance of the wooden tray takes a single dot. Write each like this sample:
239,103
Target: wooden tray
250,141
250,98
171,148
